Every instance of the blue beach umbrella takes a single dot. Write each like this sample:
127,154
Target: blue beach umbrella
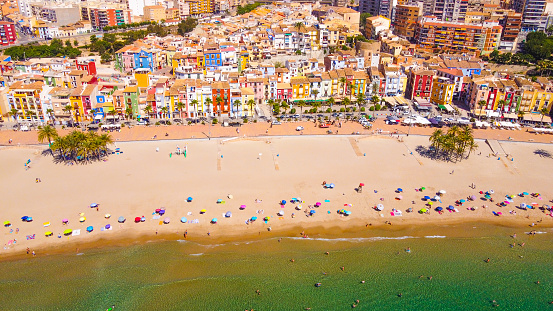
214,220
189,199
347,213
89,228
525,193
254,218
439,208
121,219
94,205
228,214
451,207
426,197
312,211
462,200
183,220
283,202
29,219
399,190
24,218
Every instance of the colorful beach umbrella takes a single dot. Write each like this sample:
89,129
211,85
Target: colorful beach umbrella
423,210
228,214
462,200
24,218
473,197
67,232
108,226
426,197
214,220
312,211
283,202
189,199
318,204
203,211
89,228
523,205
183,220
439,208
107,216
253,218
299,207
136,219
48,233
7,223
525,193
162,212
82,219
121,219
399,190
158,210
379,207
242,207
166,220
451,207
65,220
361,185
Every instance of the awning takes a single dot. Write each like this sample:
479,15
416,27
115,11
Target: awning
534,117
98,117
510,115
448,107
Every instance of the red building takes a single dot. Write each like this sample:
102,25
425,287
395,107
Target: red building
284,91
222,90
8,35
87,65
419,84
102,17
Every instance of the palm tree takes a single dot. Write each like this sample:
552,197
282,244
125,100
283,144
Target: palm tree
236,104
209,102
112,113
375,88
14,113
315,93
331,101
350,88
481,103
299,26
360,101
374,100
543,113
128,112
436,139
501,103
275,106
301,104
50,113
194,103
251,103
148,109
346,102
521,114
69,109
180,107
47,132
343,81
219,102
164,110
285,106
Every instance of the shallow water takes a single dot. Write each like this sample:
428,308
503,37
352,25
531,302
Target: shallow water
182,275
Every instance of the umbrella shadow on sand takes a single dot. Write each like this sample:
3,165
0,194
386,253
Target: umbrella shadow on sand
543,153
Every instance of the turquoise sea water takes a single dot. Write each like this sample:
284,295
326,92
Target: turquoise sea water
182,275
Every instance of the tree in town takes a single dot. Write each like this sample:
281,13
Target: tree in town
180,107
481,103
148,109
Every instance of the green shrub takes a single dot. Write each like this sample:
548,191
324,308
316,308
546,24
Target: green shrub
371,108
168,122
342,110
189,122
293,110
328,110
122,125
215,121
362,109
157,123
377,107
255,121
354,108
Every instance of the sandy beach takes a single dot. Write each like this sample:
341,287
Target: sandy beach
140,179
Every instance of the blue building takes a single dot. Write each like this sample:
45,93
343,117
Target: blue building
144,60
468,68
213,60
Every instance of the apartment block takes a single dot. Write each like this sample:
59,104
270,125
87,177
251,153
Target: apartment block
7,33
154,13
406,18
533,17
106,15
434,35
511,23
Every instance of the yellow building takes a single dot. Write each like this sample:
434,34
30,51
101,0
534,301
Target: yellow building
25,98
300,87
442,91
77,104
154,13
142,77
359,82
247,95
199,6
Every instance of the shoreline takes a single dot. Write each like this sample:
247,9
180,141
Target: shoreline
314,230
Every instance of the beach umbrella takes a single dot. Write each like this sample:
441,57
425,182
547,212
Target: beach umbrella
48,233
107,216
348,204
507,202
203,211
491,191
228,214
242,207
142,219
166,220
399,197
158,210
399,190
189,199
65,220
230,196
487,196
162,212
280,213
423,188
24,218
299,207
214,221
380,207
473,197
67,232
219,201
7,223
523,205
253,218
462,200
121,219
93,205
312,211
361,185
318,204
423,210
437,198
29,219
451,207
430,203
442,192
137,219
347,213
82,219
331,186
267,218
89,228
183,220
426,197
108,226
439,208
283,202
535,204
525,193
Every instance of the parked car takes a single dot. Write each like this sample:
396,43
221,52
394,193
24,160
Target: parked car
143,122
276,122
324,125
299,128
463,121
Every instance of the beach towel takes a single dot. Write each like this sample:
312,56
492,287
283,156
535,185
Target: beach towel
76,232
46,224
31,237
156,217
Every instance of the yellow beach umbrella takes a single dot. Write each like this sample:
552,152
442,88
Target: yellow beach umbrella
48,233
203,211
107,216
82,219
